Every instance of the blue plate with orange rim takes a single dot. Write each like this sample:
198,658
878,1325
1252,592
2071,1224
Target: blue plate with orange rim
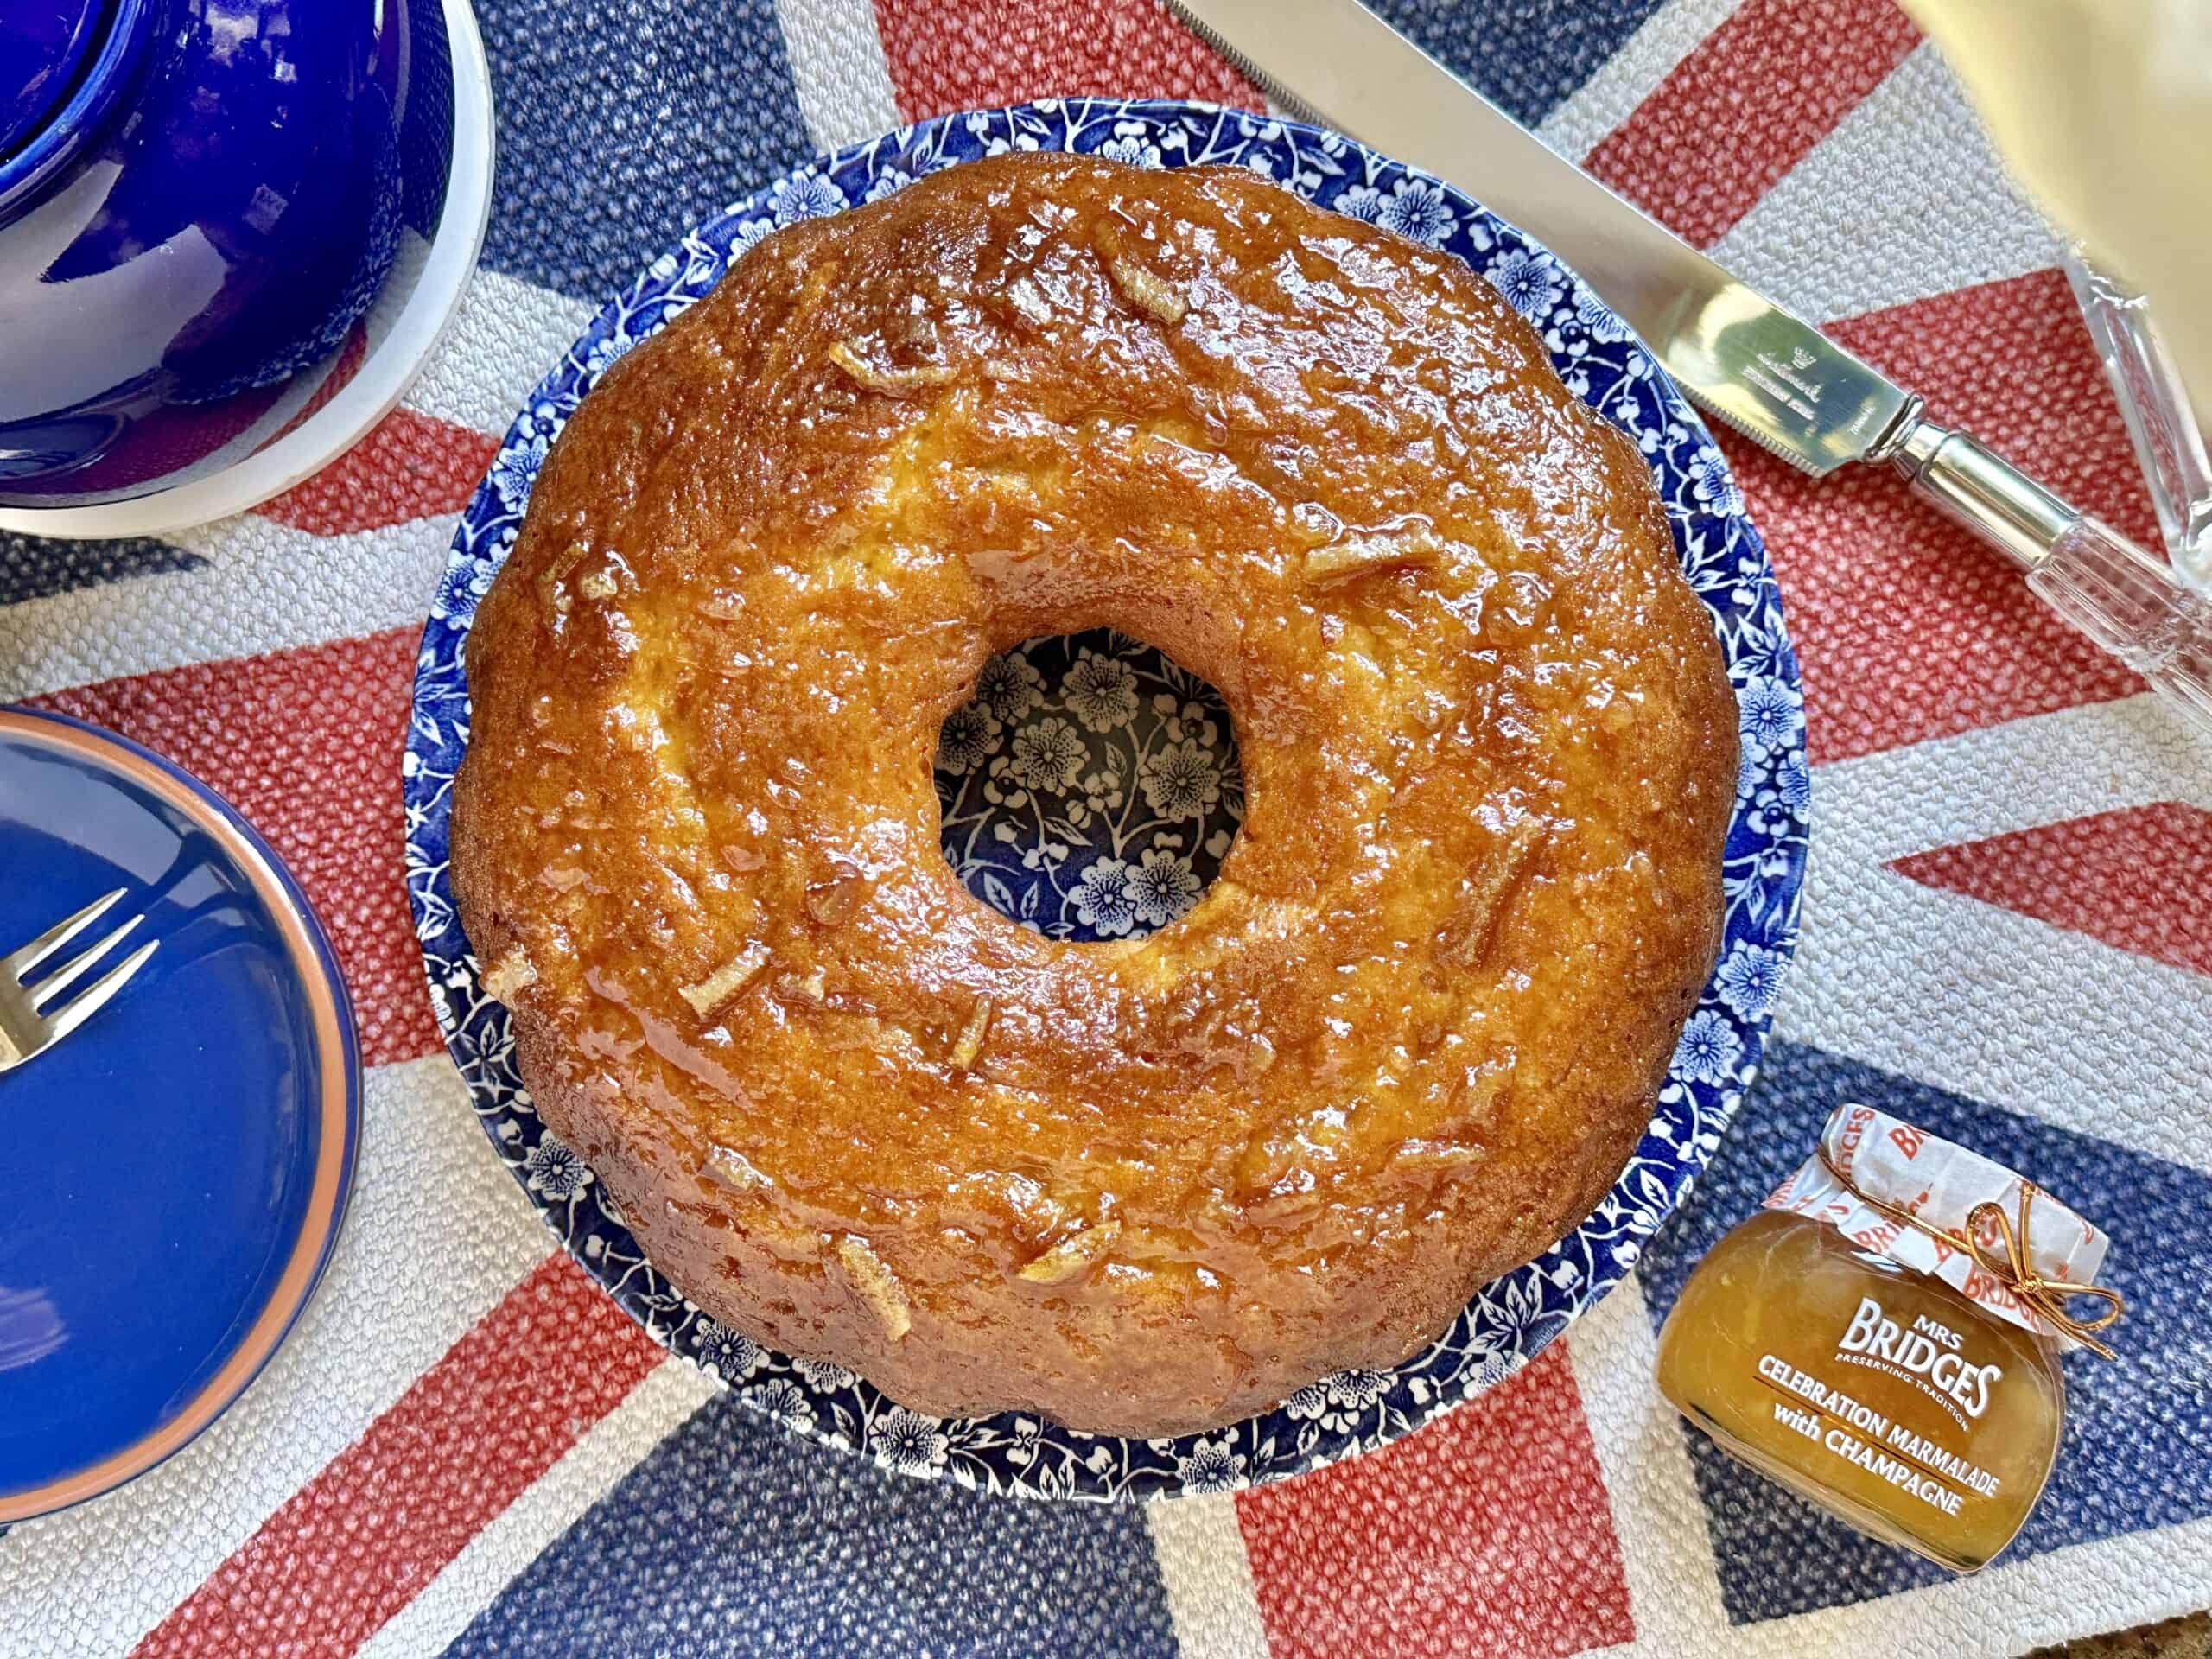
181,1161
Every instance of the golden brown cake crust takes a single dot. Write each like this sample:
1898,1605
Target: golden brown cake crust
1404,1042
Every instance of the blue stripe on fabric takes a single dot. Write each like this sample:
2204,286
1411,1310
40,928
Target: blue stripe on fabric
623,123
736,1537
38,567
2137,1448
1526,56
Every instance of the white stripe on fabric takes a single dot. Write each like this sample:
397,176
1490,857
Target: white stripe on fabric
517,1535
838,70
507,333
435,1235
1208,1576
2093,758
1903,200
1981,999
1626,78
266,587
1674,1588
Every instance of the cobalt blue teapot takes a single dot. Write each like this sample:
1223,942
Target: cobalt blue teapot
199,203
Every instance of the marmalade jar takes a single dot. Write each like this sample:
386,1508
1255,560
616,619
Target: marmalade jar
1882,1339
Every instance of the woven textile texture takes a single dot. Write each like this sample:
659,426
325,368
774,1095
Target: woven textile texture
466,1447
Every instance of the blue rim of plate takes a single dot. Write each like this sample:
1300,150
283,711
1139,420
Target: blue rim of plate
1511,1320
338,1092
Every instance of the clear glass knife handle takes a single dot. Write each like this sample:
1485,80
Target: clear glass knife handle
2125,600
2160,421
2129,603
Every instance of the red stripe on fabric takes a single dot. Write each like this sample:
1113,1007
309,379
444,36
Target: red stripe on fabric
1487,1532
1908,627
1746,106
359,1542
306,744
2123,877
410,466
974,55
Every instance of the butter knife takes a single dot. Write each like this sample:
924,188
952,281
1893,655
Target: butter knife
1771,376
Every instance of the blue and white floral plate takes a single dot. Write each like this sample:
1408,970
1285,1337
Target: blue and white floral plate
1091,788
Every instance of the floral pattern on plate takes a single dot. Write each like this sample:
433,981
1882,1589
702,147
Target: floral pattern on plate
1090,787
1508,1320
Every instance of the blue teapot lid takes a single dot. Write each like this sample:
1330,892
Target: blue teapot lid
44,47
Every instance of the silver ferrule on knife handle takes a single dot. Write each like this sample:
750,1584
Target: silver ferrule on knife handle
2125,600
1980,489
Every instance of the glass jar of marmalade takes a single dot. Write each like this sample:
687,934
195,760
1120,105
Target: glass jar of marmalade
1884,1336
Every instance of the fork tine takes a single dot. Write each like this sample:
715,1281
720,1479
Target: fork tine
18,963
89,1002
59,979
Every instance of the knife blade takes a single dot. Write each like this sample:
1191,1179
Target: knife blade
1779,380
1764,371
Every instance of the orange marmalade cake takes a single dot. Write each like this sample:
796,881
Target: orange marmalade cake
1403,1043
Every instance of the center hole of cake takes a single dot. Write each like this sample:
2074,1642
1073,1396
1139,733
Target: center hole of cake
1090,788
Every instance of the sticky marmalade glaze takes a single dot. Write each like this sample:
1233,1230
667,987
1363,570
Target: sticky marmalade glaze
1404,1042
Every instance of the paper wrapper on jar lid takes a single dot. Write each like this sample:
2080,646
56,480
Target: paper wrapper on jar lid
1891,1161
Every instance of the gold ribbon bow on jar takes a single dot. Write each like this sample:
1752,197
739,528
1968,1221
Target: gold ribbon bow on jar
2046,1298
